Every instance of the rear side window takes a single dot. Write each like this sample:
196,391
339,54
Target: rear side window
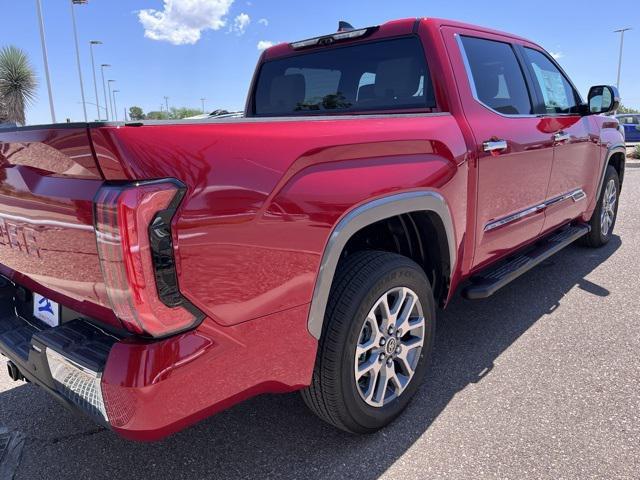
496,76
384,75
557,93
629,120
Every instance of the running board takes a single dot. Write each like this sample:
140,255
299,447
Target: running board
489,281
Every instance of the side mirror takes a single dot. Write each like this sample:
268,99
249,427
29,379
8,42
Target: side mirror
603,99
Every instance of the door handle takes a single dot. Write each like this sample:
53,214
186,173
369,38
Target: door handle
561,137
494,145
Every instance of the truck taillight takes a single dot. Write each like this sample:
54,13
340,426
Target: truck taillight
135,246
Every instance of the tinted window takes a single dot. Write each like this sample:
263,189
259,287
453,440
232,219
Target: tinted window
557,93
390,74
629,120
496,76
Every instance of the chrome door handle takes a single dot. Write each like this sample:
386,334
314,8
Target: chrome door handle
561,137
494,145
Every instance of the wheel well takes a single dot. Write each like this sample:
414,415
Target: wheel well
617,161
420,236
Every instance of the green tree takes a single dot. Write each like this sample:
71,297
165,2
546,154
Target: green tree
156,115
17,84
183,112
136,113
623,109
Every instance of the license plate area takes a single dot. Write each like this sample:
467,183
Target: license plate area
45,310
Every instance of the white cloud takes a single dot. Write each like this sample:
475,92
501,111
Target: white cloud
240,24
263,21
182,22
264,44
557,55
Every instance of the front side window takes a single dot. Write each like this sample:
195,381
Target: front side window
383,75
557,93
497,78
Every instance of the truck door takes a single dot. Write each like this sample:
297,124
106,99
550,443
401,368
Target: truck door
577,157
514,156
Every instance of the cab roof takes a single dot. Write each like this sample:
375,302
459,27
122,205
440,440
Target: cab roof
405,26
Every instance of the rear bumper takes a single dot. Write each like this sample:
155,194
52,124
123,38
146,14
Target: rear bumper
147,390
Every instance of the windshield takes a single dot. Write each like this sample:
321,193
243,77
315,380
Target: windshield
383,75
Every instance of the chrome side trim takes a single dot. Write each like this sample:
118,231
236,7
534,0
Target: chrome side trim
577,195
514,217
359,218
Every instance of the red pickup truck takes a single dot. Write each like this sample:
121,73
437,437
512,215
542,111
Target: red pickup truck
156,273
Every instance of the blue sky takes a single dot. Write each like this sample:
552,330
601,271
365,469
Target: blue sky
209,48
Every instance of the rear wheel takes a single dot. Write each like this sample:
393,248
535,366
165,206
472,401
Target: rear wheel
606,212
378,336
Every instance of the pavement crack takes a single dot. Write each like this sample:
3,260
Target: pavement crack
75,436
66,438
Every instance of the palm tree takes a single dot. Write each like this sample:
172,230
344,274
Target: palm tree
17,84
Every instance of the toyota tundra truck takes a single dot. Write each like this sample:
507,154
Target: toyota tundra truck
155,273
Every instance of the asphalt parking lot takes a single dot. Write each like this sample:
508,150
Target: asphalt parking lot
539,381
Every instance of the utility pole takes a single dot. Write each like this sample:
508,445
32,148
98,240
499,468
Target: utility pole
113,112
621,32
202,100
166,103
93,69
46,61
75,36
104,88
115,105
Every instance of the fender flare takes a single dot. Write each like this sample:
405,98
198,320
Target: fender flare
613,149
360,217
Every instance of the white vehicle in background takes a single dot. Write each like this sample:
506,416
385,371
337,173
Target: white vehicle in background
216,114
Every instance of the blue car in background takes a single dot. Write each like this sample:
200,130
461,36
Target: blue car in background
631,124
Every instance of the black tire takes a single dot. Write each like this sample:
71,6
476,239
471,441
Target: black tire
596,238
360,281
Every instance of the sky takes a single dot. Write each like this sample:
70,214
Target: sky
192,49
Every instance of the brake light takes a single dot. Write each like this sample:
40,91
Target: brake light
342,35
135,246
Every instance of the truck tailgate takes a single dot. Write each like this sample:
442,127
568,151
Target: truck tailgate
48,179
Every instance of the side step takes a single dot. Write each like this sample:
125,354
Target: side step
487,282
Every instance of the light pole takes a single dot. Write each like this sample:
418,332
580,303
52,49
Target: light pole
115,105
202,100
166,102
75,36
104,89
93,68
46,61
113,113
621,32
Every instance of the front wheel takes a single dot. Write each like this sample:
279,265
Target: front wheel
378,336
606,212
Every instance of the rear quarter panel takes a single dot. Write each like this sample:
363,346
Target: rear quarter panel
263,196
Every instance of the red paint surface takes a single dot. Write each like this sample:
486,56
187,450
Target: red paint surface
262,199
154,389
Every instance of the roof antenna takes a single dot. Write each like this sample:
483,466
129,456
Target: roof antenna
344,26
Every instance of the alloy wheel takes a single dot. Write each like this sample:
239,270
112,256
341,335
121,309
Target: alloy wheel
389,346
608,212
